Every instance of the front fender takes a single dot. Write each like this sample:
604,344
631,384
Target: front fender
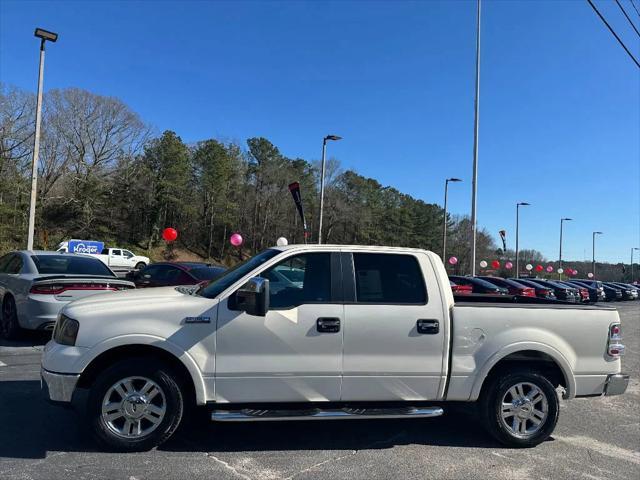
189,363
555,354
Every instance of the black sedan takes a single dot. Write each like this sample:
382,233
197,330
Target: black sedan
628,293
596,294
478,285
165,274
562,292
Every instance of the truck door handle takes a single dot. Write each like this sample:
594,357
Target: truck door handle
328,325
428,327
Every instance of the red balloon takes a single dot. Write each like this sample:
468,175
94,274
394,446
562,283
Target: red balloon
495,264
170,234
539,268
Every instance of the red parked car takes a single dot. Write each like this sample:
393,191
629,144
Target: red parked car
514,287
461,289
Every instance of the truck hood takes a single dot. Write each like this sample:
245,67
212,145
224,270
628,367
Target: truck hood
151,311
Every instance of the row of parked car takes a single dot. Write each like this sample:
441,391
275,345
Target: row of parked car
570,290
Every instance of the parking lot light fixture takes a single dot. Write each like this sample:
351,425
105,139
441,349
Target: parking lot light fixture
518,205
444,227
593,253
334,138
44,36
562,220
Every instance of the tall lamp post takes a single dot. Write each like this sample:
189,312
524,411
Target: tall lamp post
562,220
444,228
593,253
322,168
518,205
43,35
632,249
476,125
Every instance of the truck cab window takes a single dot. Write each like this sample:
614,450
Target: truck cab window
389,279
299,280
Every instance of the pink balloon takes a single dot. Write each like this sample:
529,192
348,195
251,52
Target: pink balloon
236,239
549,269
508,265
453,260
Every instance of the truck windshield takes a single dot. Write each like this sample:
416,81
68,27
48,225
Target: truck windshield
231,276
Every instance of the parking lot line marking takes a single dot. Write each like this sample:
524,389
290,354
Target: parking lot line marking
602,448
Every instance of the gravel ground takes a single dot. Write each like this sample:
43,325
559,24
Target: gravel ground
597,438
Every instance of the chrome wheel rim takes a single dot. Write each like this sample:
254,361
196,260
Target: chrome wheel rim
524,410
133,407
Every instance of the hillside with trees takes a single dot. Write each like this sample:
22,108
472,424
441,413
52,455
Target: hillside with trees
104,174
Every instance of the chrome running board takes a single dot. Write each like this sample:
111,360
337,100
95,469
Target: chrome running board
249,415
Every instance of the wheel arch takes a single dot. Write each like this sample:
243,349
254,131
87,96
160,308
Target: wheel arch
181,362
539,357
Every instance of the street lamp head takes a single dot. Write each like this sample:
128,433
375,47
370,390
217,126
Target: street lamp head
454,179
566,219
635,248
45,35
523,203
333,137
597,233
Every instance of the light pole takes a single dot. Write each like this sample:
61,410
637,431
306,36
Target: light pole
476,124
632,249
43,35
518,205
444,228
593,253
324,151
560,256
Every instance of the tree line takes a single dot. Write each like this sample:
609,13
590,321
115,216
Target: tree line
106,175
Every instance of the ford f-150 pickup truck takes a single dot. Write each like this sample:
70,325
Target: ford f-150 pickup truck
360,332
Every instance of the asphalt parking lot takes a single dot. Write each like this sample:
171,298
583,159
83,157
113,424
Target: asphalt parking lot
596,438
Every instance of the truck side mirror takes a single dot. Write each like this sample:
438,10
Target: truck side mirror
253,297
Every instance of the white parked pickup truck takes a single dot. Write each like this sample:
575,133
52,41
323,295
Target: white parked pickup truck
122,258
115,258
363,332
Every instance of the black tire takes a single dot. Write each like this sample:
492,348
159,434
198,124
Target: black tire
170,393
140,265
9,326
499,388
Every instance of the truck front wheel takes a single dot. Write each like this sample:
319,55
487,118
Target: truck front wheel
135,405
520,409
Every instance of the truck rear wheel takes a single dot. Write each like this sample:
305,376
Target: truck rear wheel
520,409
135,405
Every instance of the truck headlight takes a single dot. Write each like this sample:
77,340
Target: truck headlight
66,331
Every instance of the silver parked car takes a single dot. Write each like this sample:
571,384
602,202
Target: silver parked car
35,285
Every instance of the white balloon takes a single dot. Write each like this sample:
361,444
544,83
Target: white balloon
282,242
560,270
483,264
529,267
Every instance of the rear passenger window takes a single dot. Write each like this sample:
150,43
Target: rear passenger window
389,279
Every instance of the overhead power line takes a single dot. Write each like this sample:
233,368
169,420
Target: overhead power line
614,33
627,17
634,7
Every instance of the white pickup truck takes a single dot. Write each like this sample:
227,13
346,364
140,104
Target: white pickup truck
363,332
122,258
115,258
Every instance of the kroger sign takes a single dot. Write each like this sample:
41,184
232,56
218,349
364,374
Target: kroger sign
85,246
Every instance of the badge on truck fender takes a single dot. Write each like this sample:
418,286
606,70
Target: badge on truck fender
197,320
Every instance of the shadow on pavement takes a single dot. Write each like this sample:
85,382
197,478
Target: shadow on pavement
31,427
27,339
